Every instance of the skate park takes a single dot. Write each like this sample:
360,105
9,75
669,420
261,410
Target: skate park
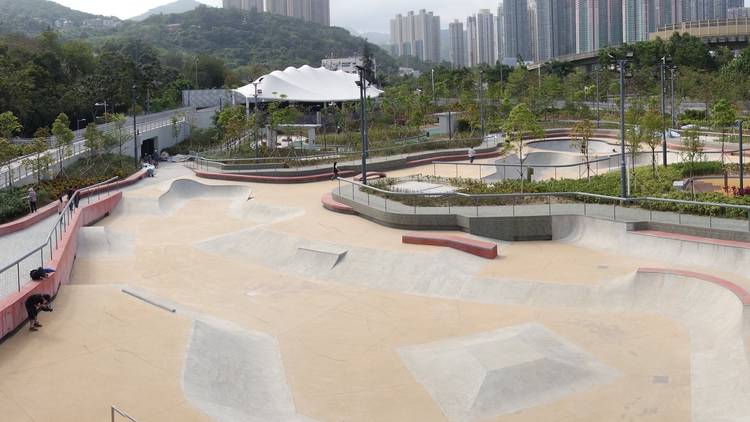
198,299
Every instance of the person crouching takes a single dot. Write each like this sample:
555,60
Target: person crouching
34,305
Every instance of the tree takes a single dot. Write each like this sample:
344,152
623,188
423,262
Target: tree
9,125
94,140
723,115
8,153
634,134
521,124
693,151
652,126
40,159
63,138
118,135
581,134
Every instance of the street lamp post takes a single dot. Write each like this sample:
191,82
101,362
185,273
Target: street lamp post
623,163
257,141
673,70
433,85
362,83
742,157
481,101
663,112
135,129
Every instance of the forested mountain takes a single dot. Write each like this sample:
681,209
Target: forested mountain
248,38
179,6
32,17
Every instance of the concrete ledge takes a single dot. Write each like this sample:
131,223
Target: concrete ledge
371,175
29,219
320,177
475,247
691,233
330,204
687,238
132,179
456,157
742,294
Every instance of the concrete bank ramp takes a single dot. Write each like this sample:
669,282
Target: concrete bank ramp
263,213
103,242
441,272
137,207
234,375
504,371
183,190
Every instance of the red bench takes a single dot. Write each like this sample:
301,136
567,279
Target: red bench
332,205
474,247
372,175
318,177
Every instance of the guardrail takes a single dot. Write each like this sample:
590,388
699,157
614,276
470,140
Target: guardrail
349,158
17,170
15,275
722,216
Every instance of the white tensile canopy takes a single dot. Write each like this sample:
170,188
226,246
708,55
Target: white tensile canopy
307,85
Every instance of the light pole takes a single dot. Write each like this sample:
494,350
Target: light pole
433,85
481,101
135,130
196,72
663,112
742,157
362,83
673,70
621,63
598,116
257,141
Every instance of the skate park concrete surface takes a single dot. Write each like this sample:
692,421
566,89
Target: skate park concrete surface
202,300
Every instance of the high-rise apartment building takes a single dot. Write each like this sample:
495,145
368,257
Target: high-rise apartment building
533,33
516,28
738,13
458,44
634,21
499,32
486,49
243,4
472,55
416,35
317,11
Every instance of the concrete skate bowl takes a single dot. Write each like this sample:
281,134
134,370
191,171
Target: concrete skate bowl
714,316
596,147
183,190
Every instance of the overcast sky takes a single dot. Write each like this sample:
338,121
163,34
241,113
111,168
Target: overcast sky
361,15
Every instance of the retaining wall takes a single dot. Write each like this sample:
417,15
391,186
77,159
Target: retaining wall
12,309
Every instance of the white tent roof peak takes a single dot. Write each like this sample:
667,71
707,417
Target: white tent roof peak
307,85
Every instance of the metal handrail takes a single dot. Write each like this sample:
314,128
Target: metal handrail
115,411
548,194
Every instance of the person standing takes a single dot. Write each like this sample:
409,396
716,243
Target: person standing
34,304
335,170
472,155
32,199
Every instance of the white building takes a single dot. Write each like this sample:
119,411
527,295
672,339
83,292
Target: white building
346,64
486,50
458,44
416,35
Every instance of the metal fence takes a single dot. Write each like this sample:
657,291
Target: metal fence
14,276
19,170
709,215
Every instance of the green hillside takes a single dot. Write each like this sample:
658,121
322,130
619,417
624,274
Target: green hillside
247,38
32,17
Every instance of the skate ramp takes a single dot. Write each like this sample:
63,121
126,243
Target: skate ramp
263,213
103,242
234,375
137,207
443,271
183,190
713,315
503,371
565,145
614,237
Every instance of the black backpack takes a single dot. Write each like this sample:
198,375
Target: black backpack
38,274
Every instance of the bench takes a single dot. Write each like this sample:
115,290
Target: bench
332,205
475,247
